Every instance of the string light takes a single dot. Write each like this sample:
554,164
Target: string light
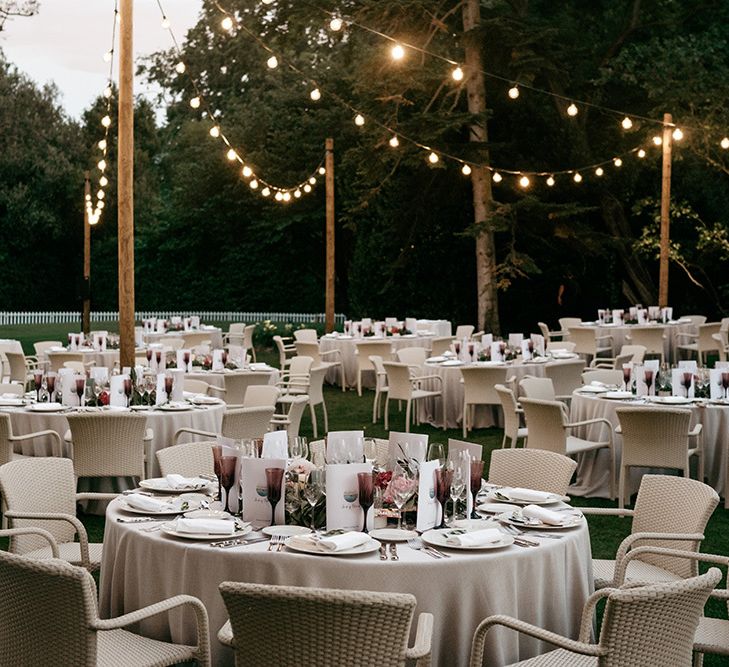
395,142
103,182
232,155
457,74
397,52
272,62
247,172
550,181
215,131
101,164
524,181
497,178
180,68
513,92
677,134
725,143
433,158
315,94
195,102
466,170
641,153
359,120
618,162
336,24
107,56
657,140
322,171
165,23
253,184
107,92
227,23
572,109
106,121
278,196
627,123
297,194
266,192
287,196
102,145
599,171
307,188
577,178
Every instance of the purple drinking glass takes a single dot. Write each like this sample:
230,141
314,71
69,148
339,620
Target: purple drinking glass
475,479
80,384
169,383
51,386
38,384
366,485
227,477
648,375
443,479
274,478
217,469
128,389
686,382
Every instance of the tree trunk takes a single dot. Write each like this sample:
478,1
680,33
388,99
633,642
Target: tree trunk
486,295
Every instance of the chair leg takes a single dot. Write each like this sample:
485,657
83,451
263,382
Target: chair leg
464,419
387,412
359,382
612,473
407,416
621,488
313,418
344,384
503,441
374,407
326,416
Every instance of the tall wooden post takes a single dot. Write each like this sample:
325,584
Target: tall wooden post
86,311
330,282
126,184
665,211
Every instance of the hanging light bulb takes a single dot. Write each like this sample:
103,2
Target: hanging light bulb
101,164
641,153
457,74
307,188
195,102
106,121
287,196
278,196
247,172
599,171
102,145
359,120
297,193
550,181
107,92
618,162
180,68
394,141
315,94
88,199
215,131
524,182
103,181
267,2
272,62
677,134
336,24
227,23
514,92
657,140
100,205
397,52
312,181
100,194
466,170
627,123
322,171
572,110
497,177
108,56
724,143
232,155
266,192
253,184
165,23
577,178
433,158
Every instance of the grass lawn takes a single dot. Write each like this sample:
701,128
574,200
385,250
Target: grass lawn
347,411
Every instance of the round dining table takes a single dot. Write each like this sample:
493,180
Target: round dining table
216,335
545,585
217,378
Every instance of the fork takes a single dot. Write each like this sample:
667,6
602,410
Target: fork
414,543
273,542
513,530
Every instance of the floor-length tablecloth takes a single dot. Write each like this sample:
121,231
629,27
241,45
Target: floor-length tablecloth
620,333
546,586
216,335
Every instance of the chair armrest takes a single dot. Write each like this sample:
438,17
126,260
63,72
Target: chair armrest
212,387
605,337
420,378
696,430
423,638
628,542
83,538
673,553
587,422
225,635
96,495
148,435
686,334
193,431
330,352
588,612
29,436
607,511
603,362
39,532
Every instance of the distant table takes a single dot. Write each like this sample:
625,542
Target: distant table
216,336
438,328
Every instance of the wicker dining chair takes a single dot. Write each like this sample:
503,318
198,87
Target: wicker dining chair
42,346
402,386
464,331
172,342
40,492
238,423
629,354
366,349
327,360
536,387
193,339
380,386
310,384
58,359
441,344
604,376
513,429
657,438
566,345
531,469
550,335
644,626
565,323
190,459
479,388
236,385
235,335
566,376
195,386
20,366
701,343
306,335
48,615
260,396
651,337
590,343
291,419
14,388
549,429
353,628
412,356
8,440
669,512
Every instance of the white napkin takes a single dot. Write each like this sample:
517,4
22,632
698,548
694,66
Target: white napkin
344,541
527,495
147,504
205,526
180,482
544,515
477,538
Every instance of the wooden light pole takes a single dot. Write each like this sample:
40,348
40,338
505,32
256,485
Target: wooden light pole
126,184
665,212
86,312
329,179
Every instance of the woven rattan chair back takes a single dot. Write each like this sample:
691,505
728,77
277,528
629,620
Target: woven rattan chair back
305,336
366,349
307,349
42,346
464,331
566,376
57,359
509,407
189,459
545,421
412,356
636,352
479,384
440,345
261,396
584,340
398,380
531,469
18,366
566,345
195,386
195,339
243,423
236,385
654,436
539,388
603,375
6,432
650,337
353,628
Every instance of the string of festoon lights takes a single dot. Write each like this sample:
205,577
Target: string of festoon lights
256,183
95,205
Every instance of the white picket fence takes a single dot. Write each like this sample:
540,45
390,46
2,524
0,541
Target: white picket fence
61,317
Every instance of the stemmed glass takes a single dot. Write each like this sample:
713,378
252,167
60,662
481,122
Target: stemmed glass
369,449
457,348
227,477
402,488
217,466
476,478
80,382
50,385
149,357
725,383
38,384
627,370
458,486
158,359
648,376
274,477
436,452
186,359
314,490
128,389
686,382
366,494
224,358
298,448
169,383
443,480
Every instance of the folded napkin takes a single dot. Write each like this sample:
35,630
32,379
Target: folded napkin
527,495
180,482
550,517
259,366
205,526
332,543
476,538
147,504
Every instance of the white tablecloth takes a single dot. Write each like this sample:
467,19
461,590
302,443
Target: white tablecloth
670,345
216,336
437,327
217,378
107,359
593,469
546,586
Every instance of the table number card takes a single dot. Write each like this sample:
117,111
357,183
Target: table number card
639,370
256,507
677,386
515,339
688,365
667,314
428,507
195,322
275,445
218,360
100,374
342,494
526,353
116,389
617,316
456,448
160,392
496,354
181,365
538,343
486,341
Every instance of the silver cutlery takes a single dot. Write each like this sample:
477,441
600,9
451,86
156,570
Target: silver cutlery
227,544
276,541
145,519
393,551
281,543
383,552
513,530
414,543
427,548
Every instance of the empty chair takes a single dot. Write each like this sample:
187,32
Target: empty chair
195,386
310,383
306,336
261,395
286,350
566,345
20,366
412,356
330,359
669,512
194,339
566,376
238,424
295,380
696,320
648,625
479,389
604,376
652,338
440,345
42,346
550,335
566,323
534,387
404,387
549,429
701,343
58,359
722,344
367,349
291,419
512,416
354,628
236,385
464,331
380,386
48,615
658,438
190,459
629,354
235,335
78,366
589,343
248,342
531,469
8,440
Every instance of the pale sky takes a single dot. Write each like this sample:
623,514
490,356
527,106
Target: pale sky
65,42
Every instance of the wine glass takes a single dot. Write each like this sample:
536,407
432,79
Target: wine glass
402,487
298,448
257,447
158,359
80,382
186,359
227,477
169,383
725,383
475,480
627,370
224,358
149,357
436,452
458,487
51,385
686,380
366,494
128,389
443,480
369,448
648,376
38,384
274,477
457,348
314,490
217,467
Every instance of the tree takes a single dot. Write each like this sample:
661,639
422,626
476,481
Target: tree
10,8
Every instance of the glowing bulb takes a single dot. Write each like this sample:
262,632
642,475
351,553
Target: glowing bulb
297,194
312,181
103,181
100,205
254,184
106,121
725,143
107,92
102,145
577,178
457,74
322,171
195,102
513,92
247,172
227,23
272,62
307,188
466,170
88,198
524,182
627,123
572,110
497,177
397,52
180,68
618,162
359,120
336,24
107,57
657,140
315,94
394,142
101,164
165,23
677,134
599,171
550,181
231,155
287,196
433,158
215,131
641,153
100,194
265,192
278,196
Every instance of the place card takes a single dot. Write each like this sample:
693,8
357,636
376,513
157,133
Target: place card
526,353
538,340
116,390
342,496
67,380
456,449
515,339
428,507
99,374
688,365
275,445
677,386
618,316
667,314
160,391
256,507
345,446
218,360
195,322
178,385
496,353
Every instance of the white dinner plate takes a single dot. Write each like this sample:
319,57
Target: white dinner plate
178,505
476,524
537,360
564,355
169,528
592,389
503,496
436,360
618,395
366,548
392,534
141,408
496,508
160,485
206,400
670,400
174,407
439,536
452,362
571,521
490,364
47,407
285,531
11,402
